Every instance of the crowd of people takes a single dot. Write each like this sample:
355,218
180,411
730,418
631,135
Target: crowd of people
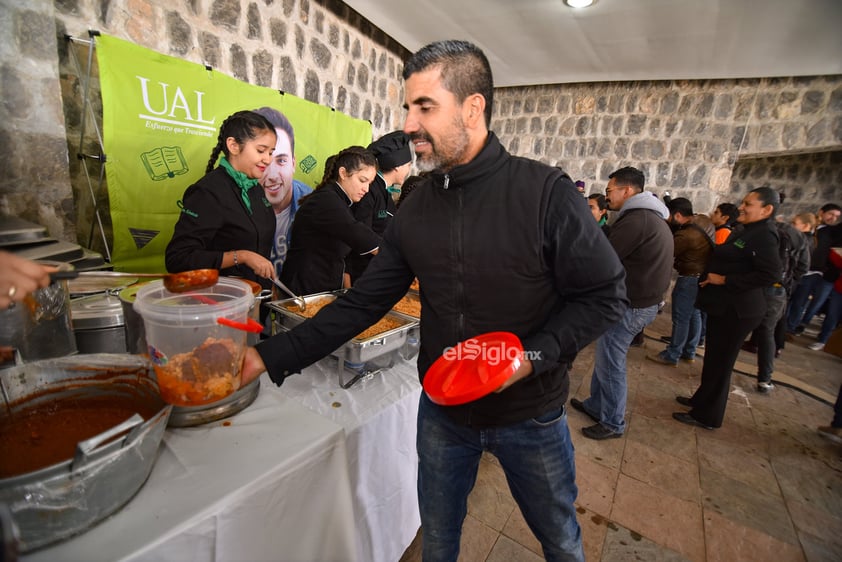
498,243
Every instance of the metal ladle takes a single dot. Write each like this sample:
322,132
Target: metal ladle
302,304
174,282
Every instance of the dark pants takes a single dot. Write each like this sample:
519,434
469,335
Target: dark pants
765,332
725,334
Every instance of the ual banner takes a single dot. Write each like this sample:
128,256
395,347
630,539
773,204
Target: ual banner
161,118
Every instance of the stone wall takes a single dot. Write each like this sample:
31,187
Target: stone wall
685,135
808,180
35,183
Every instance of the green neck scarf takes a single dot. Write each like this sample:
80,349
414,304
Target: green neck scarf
243,181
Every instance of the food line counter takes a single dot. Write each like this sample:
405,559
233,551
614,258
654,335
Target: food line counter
309,471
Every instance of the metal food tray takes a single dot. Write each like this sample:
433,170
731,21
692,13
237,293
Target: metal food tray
358,352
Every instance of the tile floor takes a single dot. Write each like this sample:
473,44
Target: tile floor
765,486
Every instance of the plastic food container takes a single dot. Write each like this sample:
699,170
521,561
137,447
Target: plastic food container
197,359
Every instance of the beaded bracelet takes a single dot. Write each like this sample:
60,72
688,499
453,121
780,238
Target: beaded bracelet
236,263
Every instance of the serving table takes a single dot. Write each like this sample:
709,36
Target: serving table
270,483
379,416
308,472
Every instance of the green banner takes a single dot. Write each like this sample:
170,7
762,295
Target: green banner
161,117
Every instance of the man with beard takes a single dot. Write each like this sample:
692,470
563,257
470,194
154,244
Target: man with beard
643,241
280,189
692,248
498,243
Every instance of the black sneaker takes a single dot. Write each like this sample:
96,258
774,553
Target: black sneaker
684,417
600,432
577,405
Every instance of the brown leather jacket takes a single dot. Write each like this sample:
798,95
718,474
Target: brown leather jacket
692,249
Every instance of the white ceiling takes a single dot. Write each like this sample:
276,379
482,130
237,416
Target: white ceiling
545,42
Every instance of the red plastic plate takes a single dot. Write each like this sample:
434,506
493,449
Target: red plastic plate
474,368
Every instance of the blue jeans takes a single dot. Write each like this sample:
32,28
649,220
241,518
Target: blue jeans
686,320
537,458
607,401
814,285
831,319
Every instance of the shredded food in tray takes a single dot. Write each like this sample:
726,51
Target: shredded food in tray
410,306
383,325
207,374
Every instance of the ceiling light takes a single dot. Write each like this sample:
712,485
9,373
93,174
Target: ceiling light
578,3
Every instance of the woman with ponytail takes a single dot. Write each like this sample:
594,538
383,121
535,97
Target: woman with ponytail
226,222
325,231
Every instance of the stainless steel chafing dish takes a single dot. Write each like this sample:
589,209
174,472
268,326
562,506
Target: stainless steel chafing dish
357,358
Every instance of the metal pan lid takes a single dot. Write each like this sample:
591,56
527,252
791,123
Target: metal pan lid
96,311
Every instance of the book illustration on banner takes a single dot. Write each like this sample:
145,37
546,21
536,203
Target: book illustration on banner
473,368
308,163
164,162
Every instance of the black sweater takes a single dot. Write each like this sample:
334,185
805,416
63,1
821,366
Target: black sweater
501,243
750,262
215,220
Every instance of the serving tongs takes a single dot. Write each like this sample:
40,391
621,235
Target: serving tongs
302,304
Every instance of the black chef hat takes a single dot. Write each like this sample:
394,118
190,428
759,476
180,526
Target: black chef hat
391,150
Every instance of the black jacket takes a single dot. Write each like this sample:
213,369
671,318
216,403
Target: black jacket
215,220
643,241
750,262
323,233
500,243
375,210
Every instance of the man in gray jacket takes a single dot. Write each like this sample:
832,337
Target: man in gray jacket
643,241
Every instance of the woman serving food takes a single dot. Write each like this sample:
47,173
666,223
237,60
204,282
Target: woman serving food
325,231
226,223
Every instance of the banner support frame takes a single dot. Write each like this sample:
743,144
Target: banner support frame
88,112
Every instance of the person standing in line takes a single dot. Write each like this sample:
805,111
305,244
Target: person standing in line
376,209
813,287
795,260
829,214
644,244
732,293
692,248
281,190
599,209
724,217
833,274
226,222
476,278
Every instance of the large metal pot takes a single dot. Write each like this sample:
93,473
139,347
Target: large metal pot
39,327
135,334
52,503
98,324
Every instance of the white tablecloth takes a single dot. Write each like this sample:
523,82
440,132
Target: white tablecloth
272,485
379,416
